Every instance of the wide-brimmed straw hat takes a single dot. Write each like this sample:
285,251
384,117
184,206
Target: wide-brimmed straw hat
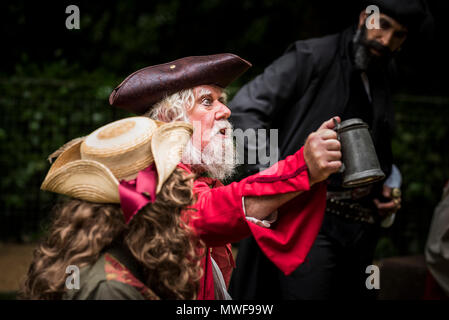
92,167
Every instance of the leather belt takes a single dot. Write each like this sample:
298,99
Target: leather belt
351,210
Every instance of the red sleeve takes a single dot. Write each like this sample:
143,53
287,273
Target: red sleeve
288,242
221,218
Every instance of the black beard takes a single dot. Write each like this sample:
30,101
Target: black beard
363,58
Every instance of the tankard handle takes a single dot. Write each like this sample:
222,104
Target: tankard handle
336,128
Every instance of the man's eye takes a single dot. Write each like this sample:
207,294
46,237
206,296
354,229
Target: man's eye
384,25
207,101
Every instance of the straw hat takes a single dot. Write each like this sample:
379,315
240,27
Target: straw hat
91,168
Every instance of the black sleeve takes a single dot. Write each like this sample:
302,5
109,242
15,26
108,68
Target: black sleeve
266,97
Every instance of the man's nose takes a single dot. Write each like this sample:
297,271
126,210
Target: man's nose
223,112
386,38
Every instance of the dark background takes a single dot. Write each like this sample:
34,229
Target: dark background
54,85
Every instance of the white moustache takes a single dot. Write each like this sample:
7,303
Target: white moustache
218,126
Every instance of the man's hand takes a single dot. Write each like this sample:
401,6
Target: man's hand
387,207
322,155
322,152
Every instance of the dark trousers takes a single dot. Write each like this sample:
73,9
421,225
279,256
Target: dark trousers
335,267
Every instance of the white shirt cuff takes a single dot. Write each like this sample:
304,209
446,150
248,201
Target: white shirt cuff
261,223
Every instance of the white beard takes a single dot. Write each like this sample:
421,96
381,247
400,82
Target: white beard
217,158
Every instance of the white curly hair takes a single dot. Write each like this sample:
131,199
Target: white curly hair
173,107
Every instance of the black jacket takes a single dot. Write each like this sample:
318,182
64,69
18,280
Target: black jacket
313,81
306,86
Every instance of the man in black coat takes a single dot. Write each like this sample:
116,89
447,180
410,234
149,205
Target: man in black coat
348,74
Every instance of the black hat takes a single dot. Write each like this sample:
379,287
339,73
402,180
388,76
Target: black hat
409,13
147,86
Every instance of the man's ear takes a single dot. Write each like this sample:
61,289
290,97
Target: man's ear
362,18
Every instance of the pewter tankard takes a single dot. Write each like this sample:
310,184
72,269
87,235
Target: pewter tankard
360,162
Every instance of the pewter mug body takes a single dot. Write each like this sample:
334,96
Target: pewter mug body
360,163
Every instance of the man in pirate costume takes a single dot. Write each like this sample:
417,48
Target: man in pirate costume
281,207
349,74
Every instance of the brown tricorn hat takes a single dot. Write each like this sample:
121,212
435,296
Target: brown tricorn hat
147,86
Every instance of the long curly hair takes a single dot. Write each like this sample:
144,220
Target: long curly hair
158,237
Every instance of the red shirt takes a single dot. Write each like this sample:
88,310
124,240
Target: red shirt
221,219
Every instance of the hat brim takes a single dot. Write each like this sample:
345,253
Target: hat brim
147,86
167,145
93,181
81,179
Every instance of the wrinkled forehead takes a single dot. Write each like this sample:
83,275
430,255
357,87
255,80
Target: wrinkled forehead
209,90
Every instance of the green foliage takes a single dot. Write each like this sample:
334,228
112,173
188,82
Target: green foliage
38,115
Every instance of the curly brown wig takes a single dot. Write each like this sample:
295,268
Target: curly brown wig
159,238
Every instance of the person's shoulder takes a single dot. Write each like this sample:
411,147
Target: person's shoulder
318,53
114,290
316,45
108,279
89,277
